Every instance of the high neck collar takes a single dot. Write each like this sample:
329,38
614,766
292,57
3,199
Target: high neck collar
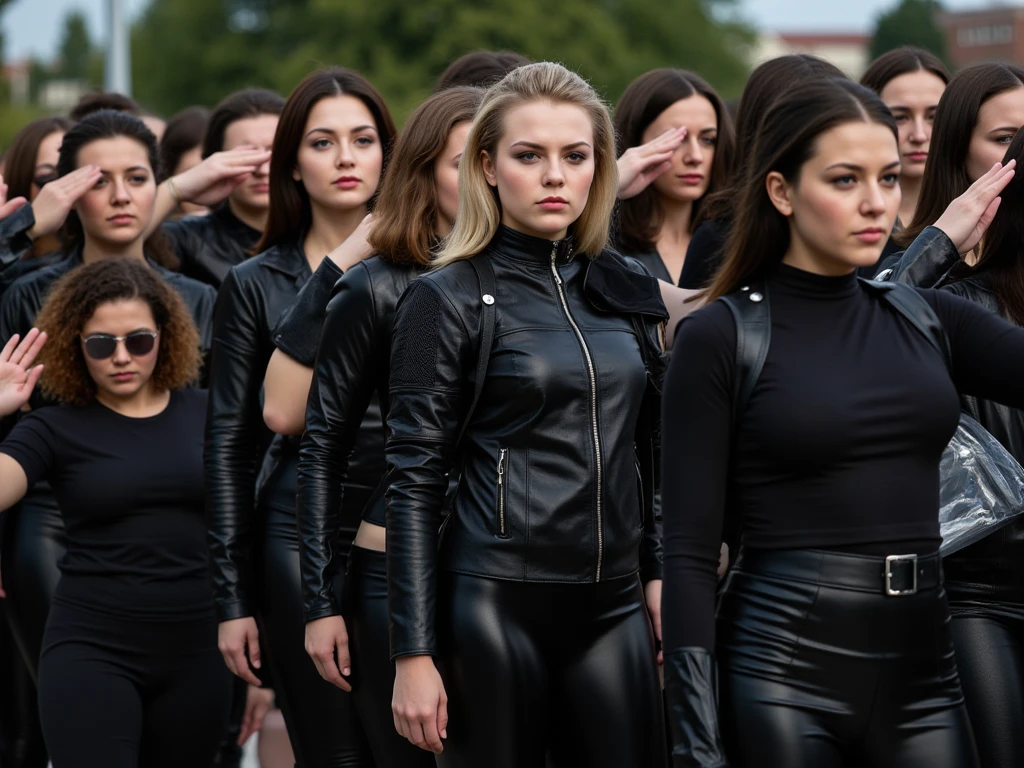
514,244
800,282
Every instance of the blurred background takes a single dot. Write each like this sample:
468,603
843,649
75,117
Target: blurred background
170,54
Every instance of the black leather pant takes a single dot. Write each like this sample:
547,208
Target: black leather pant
373,673
812,675
532,667
321,719
989,641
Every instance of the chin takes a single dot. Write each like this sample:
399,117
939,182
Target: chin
122,235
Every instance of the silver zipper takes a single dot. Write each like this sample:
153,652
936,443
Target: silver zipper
593,406
501,492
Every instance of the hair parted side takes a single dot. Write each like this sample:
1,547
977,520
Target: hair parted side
74,299
479,207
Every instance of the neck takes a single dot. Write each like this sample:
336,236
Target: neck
94,250
329,230
148,401
675,223
252,217
911,189
802,258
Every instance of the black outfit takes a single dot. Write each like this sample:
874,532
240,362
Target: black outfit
351,375
16,247
209,246
320,717
547,523
130,673
837,449
653,263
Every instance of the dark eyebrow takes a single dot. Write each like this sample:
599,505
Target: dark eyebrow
134,168
1009,128
322,130
332,132
855,167
533,145
712,129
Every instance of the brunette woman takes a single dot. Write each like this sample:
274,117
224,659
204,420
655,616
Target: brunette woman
529,625
910,82
479,69
766,83
181,148
328,156
655,226
419,199
130,673
853,663
208,246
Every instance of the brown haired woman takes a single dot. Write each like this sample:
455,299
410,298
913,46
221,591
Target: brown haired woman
832,631
655,225
910,82
130,674
181,148
328,156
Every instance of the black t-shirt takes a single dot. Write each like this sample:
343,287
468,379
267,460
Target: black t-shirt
839,444
131,494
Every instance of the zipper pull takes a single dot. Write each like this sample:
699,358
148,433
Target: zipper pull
501,465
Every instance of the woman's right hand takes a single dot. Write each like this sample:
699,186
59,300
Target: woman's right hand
966,218
55,201
17,376
420,704
327,645
640,166
210,182
239,644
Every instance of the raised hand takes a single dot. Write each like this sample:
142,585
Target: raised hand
639,166
210,182
356,246
965,219
7,207
17,376
54,201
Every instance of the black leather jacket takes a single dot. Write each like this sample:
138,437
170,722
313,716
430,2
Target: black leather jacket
351,376
208,246
16,246
549,489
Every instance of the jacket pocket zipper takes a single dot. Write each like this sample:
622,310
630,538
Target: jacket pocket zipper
640,488
502,526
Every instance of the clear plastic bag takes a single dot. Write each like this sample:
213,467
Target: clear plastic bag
981,487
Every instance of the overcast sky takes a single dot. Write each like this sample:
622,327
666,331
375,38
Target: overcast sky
32,27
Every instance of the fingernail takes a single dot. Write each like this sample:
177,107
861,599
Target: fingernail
346,671
256,663
444,734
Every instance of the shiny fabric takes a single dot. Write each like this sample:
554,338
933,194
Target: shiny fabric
557,420
924,263
812,674
568,668
691,696
349,395
373,674
209,246
14,239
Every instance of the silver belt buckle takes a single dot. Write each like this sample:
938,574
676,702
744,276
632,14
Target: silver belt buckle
912,559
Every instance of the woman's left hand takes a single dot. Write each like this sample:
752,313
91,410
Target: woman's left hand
17,376
258,702
652,591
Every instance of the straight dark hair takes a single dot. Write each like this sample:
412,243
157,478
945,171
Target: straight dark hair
480,69
789,137
251,102
184,132
97,101
1002,251
20,168
945,175
640,217
902,61
766,84
405,219
290,212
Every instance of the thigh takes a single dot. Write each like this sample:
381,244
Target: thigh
936,740
90,707
608,696
494,674
321,718
990,658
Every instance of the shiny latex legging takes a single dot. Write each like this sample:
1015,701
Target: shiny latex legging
536,670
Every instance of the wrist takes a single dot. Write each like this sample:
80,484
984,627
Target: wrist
174,192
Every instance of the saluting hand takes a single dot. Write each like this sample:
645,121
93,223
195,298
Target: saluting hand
17,376
55,201
639,166
965,219
210,182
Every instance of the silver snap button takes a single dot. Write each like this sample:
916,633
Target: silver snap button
488,299
755,296
745,288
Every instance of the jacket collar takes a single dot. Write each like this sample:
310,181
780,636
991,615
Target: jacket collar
287,258
516,245
226,218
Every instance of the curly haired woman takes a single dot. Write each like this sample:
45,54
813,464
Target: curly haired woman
130,659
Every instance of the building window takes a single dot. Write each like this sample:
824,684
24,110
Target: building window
986,34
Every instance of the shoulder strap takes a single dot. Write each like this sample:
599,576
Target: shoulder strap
752,314
918,312
485,276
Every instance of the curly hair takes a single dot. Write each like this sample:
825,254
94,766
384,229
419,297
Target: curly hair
73,301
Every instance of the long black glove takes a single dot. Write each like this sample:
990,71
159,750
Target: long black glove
691,693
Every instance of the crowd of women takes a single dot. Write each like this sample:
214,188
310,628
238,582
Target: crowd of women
404,431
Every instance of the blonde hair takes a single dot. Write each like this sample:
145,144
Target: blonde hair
479,208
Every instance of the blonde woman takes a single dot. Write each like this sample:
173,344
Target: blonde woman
526,628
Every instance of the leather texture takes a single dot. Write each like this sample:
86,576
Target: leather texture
821,676
557,423
209,246
691,697
566,670
925,262
14,239
348,397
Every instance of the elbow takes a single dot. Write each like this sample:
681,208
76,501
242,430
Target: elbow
282,422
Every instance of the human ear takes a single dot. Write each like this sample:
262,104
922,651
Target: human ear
779,192
296,176
488,165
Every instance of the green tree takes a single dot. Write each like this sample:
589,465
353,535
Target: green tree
75,49
912,22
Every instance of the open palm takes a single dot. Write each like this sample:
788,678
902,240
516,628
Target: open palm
17,376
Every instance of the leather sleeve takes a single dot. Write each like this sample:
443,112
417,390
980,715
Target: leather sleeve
14,239
431,357
292,334
343,384
691,696
928,259
185,240
235,439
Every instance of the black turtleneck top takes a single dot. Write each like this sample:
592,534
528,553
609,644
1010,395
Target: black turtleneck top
837,448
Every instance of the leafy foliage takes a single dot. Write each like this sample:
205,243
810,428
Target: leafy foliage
912,22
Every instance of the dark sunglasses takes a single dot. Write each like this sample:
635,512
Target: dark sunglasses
100,346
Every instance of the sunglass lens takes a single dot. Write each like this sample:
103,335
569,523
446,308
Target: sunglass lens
139,344
100,347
